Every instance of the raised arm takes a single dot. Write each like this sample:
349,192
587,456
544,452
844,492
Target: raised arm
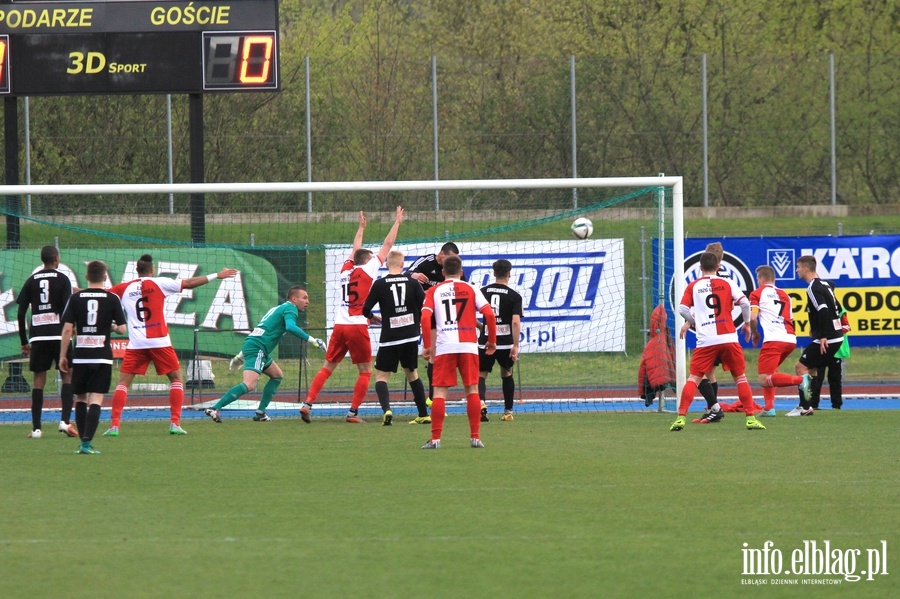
358,240
391,236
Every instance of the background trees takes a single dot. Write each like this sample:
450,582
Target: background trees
504,104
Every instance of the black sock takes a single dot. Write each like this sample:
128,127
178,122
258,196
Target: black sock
815,390
81,419
93,421
418,391
715,388
66,399
482,389
429,370
509,391
381,389
835,384
37,408
706,390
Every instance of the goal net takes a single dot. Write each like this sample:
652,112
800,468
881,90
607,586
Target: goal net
588,303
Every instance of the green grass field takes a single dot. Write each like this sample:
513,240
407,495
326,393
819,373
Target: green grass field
574,505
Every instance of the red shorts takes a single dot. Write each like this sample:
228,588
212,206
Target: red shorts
446,365
731,355
137,360
349,337
772,354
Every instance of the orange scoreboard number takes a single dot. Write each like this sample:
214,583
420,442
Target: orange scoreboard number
239,60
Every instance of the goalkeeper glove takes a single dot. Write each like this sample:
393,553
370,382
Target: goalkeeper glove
320,343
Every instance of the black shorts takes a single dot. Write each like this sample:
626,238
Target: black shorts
813,358
91,378
45,354
390,356
501,357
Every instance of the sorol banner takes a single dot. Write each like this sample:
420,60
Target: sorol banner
224,304
573,295
864,269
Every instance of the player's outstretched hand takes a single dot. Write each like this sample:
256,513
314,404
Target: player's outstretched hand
320,343
399,216
227,273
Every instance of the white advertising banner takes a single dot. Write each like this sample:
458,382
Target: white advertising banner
573,292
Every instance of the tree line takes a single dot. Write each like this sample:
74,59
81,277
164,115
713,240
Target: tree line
504,102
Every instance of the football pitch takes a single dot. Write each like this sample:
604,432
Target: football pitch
556,505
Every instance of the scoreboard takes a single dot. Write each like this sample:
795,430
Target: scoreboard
137,47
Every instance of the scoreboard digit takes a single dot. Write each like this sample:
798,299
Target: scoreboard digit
238,59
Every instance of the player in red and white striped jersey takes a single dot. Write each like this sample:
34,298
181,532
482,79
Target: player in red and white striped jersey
770,310
706,307
148,336
351,327
453,305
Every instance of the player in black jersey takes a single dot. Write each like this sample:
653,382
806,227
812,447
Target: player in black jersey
429,271
90,316
400,299
826,328
45,293
507,305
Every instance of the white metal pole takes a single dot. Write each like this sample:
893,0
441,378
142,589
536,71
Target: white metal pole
678,284
335,186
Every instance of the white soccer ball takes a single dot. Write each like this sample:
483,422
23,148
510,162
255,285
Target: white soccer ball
582,228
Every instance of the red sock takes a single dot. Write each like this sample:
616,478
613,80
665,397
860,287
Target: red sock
317,383
745,394
473,411
769,396
176,400
687,396
118,404
438,411
360,389
785,380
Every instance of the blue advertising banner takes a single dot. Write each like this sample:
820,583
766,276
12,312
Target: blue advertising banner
864,269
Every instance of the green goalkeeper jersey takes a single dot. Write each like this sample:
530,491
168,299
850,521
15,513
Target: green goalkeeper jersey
275,324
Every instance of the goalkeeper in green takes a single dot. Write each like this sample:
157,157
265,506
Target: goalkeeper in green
261,342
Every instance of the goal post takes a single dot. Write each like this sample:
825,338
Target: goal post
585,311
